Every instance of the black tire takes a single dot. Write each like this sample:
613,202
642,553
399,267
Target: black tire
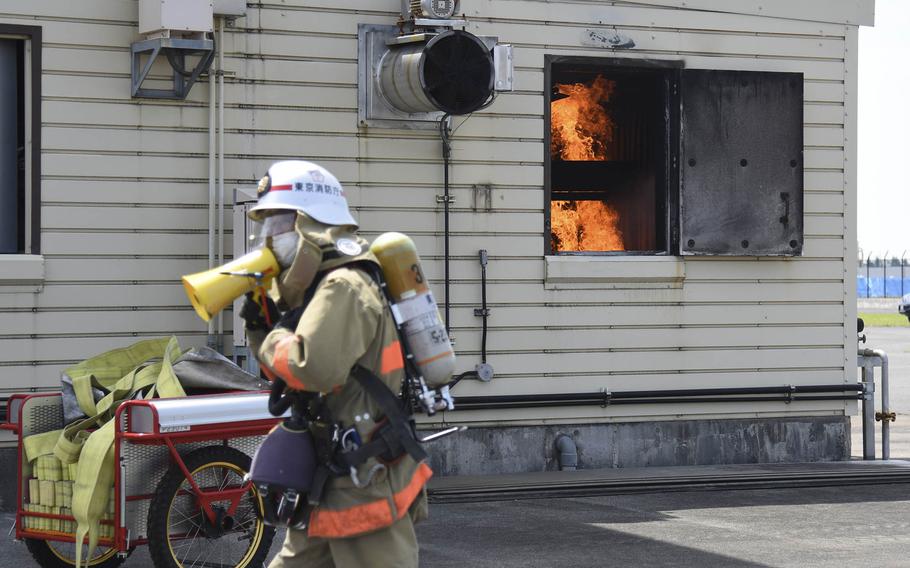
172,541
52,554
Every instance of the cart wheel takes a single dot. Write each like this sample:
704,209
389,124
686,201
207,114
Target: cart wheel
53,554
179,533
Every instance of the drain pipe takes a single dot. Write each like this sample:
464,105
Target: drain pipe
868,377
210,338
219,346
568,452
887,415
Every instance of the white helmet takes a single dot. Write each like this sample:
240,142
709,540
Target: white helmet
305,187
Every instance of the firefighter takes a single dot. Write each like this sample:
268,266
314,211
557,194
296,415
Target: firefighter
329,319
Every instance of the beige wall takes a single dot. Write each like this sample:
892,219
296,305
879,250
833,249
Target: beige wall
125,186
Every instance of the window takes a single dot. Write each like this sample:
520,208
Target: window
20,127
646,158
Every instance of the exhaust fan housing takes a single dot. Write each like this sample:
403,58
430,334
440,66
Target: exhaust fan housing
412,80
453,72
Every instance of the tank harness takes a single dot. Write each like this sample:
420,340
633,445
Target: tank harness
395,434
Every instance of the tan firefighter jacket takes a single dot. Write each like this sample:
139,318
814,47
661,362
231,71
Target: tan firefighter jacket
346,323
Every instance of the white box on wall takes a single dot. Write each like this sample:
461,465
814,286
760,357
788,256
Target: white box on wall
230,7
157,16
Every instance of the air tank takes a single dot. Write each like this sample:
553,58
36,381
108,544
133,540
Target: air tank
414,307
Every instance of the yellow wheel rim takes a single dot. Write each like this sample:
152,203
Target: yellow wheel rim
71,559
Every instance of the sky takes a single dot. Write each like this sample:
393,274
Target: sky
884,131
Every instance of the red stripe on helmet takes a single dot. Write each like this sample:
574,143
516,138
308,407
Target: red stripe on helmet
285,187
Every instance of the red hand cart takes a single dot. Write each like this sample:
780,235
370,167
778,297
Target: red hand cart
179,483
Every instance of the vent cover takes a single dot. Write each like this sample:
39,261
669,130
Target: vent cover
457,72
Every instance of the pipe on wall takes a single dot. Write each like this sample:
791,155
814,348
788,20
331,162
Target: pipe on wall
787,393
868,378
872,358
446,156
887,415
210,338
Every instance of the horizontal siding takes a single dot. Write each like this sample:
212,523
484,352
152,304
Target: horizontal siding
125,190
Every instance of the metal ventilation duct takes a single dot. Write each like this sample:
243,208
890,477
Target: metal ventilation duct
453,72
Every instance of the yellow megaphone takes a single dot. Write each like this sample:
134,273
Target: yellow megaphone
213,290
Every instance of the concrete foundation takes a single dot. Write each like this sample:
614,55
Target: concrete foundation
485,451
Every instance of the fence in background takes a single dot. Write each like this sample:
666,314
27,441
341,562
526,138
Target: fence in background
883,276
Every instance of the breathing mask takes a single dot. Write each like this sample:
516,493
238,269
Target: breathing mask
277,233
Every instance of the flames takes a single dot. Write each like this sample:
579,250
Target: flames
580,127
581,130
584,226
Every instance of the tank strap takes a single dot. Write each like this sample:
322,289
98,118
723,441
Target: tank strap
399,428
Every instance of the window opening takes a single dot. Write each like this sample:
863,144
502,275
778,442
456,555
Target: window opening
607,158
20,139
12,147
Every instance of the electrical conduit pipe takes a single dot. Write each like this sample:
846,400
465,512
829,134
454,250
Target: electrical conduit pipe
210,339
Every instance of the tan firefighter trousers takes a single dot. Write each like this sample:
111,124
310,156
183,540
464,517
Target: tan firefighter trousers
392,547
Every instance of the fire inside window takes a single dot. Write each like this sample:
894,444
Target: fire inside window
645,157
608,131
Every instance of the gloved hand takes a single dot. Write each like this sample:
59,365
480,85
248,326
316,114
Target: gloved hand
290,319
251,313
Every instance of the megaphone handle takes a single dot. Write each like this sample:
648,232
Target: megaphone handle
260,298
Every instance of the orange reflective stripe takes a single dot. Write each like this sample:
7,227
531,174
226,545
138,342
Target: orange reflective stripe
406,496
327,523
391,359
359,519
282,366
437,357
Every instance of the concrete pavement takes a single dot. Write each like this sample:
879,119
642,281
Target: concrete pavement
822,527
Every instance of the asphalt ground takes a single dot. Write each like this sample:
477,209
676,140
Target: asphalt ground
866,525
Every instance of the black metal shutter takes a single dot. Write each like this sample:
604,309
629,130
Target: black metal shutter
741,163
